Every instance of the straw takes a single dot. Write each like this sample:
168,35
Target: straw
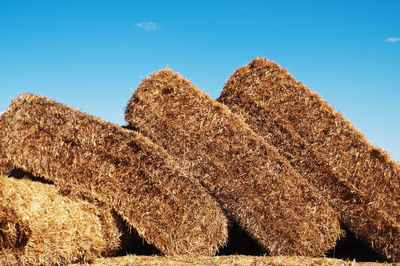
360,180
255,185
226,260
39,226
79,152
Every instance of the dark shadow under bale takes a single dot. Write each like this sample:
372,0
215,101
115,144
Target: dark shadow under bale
240,243
18,173
351,248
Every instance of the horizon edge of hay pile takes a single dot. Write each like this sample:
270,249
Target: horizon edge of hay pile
361,180
227,260
119,167
258,188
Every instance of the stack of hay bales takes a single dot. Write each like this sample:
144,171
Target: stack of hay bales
257,187
39,226
271,155
361,181
119,167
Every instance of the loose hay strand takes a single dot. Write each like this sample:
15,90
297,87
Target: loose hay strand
360,180
39,226
119,167
255,185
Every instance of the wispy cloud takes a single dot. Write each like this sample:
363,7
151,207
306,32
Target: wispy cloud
393,39
147,25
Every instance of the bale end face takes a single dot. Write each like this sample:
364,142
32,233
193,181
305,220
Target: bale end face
39,226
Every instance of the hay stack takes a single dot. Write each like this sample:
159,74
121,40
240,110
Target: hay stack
360,180
39,226
77,151
253,183
226,260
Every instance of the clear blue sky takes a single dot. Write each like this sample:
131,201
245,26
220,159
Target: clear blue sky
92,54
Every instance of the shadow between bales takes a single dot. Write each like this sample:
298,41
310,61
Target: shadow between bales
347,248
240,243
18,173
351,248
132,243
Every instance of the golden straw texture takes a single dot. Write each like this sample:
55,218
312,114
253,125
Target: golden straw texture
39,226
117,166
360,180
252,182
5,164
226,260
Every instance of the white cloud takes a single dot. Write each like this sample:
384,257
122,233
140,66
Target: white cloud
147,26
393,39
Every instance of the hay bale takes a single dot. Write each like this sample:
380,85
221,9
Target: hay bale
252,182
225,260
360,180
117,166
39,226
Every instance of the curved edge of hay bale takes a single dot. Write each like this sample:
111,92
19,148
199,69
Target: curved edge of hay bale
39,226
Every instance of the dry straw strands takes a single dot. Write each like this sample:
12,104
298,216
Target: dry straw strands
117,166
39,226
361,180
253,183
226,260
5,164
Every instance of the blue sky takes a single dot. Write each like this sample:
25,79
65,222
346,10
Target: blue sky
93,54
